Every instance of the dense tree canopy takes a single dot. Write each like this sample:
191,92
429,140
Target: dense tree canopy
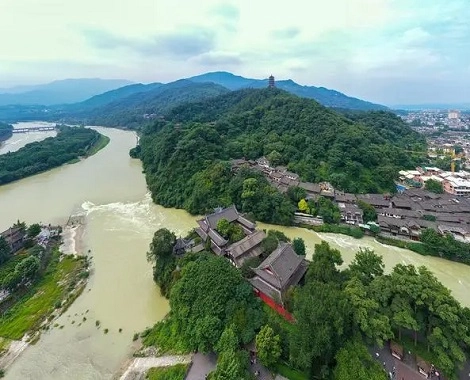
69,144
210,295
184,158
353,362
161,254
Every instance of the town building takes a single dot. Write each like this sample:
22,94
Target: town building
350,213
15,237
281,270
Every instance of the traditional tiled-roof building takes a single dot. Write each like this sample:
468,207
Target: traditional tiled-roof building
274,276
15,237
208,227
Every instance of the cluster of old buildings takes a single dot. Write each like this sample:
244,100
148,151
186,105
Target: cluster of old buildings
403,215
279,271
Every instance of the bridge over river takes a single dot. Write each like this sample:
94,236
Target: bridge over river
34,129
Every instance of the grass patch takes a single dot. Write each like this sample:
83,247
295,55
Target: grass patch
98,145
289,372
39,302
176,372
166,337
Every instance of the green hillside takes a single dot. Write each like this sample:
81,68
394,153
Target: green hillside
184,157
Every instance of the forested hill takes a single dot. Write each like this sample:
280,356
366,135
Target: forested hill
325,96
180,156
136,109
5,131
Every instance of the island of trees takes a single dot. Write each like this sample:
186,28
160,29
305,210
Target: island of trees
70,144
186,157
338,314
5,131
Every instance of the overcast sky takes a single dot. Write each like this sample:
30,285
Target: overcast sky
387,51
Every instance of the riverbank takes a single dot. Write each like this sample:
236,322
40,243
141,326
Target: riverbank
98,145
37,309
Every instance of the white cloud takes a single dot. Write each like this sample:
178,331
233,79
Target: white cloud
329,43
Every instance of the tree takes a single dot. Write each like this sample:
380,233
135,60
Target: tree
11,280
303,205
369,213
434,186
5,250
353,361
296,193
161,255
28,267
228,341
299,246
322,312
268,346
366,313
210,295
275,158
33,230
223,227
323,267
328,211
367,265
231,366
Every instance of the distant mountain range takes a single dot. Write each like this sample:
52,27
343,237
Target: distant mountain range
324,96
59,92
132,104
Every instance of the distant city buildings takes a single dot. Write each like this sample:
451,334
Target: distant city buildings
453,115
426,120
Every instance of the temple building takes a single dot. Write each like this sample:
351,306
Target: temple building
271,82
208,228
282,269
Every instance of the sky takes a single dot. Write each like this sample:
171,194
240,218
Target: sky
385,51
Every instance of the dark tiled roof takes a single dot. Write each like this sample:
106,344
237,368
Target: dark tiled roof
345,197
280,266
201,233
229,213
216,238
310,187
240,247
258,283
245,222
400,212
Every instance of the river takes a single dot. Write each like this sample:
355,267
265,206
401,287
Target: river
19,140
109,190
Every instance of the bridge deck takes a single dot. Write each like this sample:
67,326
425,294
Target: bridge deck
33,129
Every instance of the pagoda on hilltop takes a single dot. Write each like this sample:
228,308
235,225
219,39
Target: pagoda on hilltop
271,83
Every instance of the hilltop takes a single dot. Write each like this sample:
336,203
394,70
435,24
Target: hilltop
324,96
185,157
133,105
